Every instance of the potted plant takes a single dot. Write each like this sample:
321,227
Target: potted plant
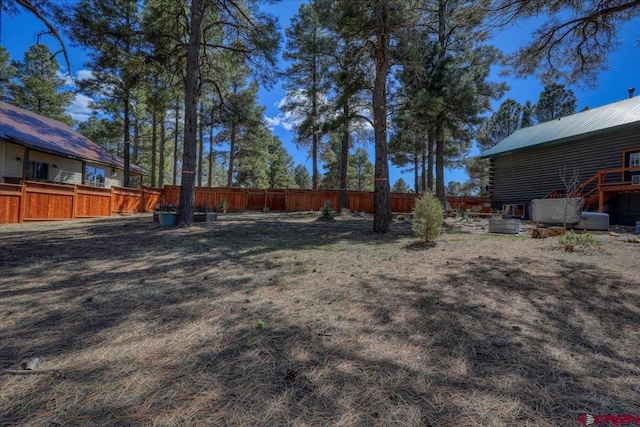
167,215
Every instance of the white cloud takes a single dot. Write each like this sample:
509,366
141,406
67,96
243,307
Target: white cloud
279,120
80,109
68,81
84,74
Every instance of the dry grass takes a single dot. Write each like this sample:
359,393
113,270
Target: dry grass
158,327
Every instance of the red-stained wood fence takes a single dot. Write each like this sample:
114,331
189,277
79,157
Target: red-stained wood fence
292,200
37,201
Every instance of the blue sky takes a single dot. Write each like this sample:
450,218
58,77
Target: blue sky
19,32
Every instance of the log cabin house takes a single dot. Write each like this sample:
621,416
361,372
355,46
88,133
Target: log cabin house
602,146
36,148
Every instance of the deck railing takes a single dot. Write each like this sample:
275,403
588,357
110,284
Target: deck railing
602,186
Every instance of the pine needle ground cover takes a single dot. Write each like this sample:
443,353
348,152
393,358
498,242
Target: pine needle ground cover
280,320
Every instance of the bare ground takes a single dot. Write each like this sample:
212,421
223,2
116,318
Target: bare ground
273,320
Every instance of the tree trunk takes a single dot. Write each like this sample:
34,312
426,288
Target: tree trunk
440,161
136,141
187,188
126,151
314,114
416,173
232,154
200,145
429,172
163,137
211,157
154,146
344,158
175,141
381,190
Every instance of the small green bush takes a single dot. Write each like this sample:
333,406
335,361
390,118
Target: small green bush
222,208
325,212
572,241
428,215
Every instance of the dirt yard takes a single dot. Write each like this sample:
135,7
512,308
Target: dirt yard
281,320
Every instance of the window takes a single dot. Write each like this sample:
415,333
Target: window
38,170
94,176
634,160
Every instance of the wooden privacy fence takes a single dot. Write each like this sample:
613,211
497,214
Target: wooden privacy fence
37,201
292,200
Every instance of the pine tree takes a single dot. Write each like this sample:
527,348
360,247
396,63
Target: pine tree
505,121
279,164
575,39
306,49
400,186
555,102
301,177
39,89
7,73
112,30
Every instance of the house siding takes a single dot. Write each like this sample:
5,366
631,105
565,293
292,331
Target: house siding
3,159
12,167
522,176
67,171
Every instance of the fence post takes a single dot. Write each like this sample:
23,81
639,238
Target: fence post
111,202
74,201
23,202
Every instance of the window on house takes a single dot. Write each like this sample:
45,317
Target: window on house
634,160
38,170
94,176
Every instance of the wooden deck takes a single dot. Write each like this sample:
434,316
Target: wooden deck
602,187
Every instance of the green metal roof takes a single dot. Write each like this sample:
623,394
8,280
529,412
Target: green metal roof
598,120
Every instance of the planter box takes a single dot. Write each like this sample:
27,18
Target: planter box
168,219
504,226
205,217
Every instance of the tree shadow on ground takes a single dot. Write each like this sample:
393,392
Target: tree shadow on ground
164,332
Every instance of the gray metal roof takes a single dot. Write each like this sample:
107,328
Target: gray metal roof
51,136
601,119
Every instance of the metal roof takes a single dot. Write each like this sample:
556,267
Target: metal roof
601,119
51,136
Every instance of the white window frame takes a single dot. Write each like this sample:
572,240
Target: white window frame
634,160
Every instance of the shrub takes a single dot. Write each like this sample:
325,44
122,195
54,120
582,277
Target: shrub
428,215
222,208
572,241
325,212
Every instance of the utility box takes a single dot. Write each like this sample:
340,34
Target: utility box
504,226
